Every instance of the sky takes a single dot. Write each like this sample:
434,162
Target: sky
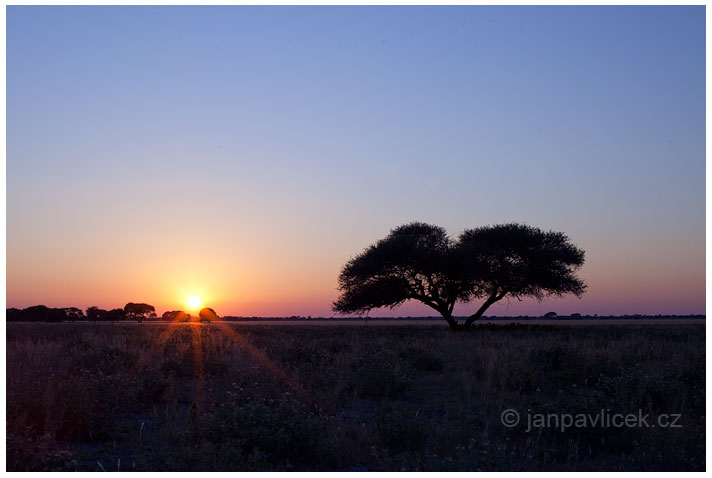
244,154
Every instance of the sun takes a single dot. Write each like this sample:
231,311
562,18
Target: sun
193,302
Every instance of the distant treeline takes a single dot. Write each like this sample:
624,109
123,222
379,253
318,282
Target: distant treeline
144,312
138,312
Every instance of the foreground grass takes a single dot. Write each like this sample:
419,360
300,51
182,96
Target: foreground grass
191,397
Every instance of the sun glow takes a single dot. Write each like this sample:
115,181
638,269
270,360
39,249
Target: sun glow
193,302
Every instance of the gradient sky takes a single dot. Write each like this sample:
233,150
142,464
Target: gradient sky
243,154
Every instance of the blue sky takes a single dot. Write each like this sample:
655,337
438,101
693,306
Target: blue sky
264,146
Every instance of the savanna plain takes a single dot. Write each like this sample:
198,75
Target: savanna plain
350,397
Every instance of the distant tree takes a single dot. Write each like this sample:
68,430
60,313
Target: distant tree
14,315
421,262
550,315
175,316
208,315
139,312
36,313
115,315
73,313
95,313
169,315
56,315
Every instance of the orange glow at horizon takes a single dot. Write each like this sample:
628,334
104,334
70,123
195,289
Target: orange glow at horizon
260,272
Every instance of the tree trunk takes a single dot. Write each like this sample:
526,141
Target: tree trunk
490,300
450,321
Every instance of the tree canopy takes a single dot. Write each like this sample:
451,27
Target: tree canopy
115,315
95,313
208,315
176,316
419,261
139,312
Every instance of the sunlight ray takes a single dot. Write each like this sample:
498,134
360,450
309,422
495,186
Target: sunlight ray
156,346
199,366
270,365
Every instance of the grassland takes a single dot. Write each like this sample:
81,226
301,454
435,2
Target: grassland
259,397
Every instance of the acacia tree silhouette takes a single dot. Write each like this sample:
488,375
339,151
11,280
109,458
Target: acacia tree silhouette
419,261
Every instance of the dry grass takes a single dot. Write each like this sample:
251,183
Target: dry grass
190,397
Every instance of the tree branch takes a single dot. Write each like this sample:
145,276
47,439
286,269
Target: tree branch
490,300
